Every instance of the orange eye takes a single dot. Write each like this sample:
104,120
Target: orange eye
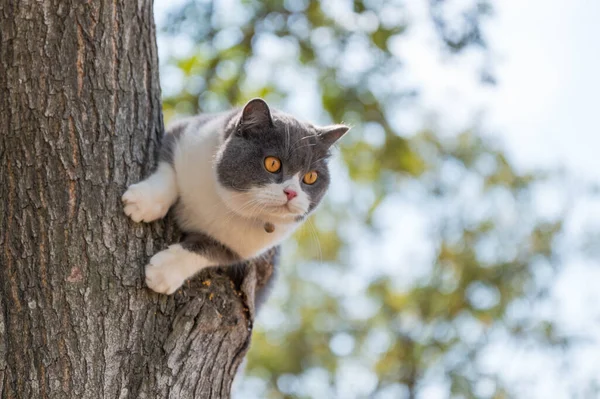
310,177
272,164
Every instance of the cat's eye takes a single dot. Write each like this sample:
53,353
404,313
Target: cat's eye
310,177
272,164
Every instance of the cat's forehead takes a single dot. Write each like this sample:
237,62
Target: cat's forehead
294,141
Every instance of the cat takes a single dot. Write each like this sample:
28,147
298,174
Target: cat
240,182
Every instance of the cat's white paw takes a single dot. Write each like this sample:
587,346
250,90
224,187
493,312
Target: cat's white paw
143,202
165,272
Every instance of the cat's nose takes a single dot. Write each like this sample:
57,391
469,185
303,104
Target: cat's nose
289,193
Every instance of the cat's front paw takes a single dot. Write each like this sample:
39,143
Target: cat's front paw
164,272
142,203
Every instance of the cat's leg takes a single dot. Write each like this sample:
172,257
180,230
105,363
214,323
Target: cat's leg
151,199
168,269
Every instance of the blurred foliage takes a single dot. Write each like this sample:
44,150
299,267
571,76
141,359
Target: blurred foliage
351,319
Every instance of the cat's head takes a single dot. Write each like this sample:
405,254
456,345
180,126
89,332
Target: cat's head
272,166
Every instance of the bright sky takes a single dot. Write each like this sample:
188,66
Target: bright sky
546,104
549,95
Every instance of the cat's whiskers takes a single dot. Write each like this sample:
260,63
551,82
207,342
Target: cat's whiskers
221,203
294,148
251,208
256,208
315,236
287,139
302,138
318,160
239,189
232,212
229,212
302,146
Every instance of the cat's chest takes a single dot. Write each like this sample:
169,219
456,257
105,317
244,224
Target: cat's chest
248,238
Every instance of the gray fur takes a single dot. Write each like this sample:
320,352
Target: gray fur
169,141
205,245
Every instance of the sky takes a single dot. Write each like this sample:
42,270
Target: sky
544,111
547,61
549,98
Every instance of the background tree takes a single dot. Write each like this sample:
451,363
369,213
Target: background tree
431,252
81,118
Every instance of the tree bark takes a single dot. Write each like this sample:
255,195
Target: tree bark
81,119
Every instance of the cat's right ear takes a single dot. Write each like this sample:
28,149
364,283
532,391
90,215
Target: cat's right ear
256,113
330,134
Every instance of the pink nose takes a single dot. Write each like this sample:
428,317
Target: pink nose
290,194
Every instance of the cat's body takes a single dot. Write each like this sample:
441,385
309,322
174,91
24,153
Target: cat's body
213,168
200,207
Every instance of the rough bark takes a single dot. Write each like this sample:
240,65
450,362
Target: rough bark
81,118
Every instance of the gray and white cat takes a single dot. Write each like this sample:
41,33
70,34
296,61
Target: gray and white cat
241,182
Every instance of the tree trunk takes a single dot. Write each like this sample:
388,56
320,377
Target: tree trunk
81,119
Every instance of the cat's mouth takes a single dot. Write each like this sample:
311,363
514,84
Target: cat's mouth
282,212
286,208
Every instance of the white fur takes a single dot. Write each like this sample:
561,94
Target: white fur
234,218
168,269
151,199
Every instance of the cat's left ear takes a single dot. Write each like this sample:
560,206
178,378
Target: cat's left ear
331,134
256,113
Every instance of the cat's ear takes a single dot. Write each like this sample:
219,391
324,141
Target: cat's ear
330,134
256,113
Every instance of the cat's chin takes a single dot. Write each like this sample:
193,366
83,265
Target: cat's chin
278,214
283,214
